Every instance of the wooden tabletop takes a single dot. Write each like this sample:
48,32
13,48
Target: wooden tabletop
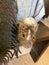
42,33
46,21
27,60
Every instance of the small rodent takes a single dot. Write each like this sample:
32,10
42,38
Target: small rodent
26,32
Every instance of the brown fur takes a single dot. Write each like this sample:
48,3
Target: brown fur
24,33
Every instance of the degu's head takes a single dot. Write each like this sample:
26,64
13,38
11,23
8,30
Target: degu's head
27,31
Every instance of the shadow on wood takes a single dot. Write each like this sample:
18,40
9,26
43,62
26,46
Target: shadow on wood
41,42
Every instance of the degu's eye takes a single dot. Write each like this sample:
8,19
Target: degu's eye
23,35
17,24
33,37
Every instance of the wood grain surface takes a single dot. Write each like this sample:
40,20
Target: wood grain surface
42,33
27,60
